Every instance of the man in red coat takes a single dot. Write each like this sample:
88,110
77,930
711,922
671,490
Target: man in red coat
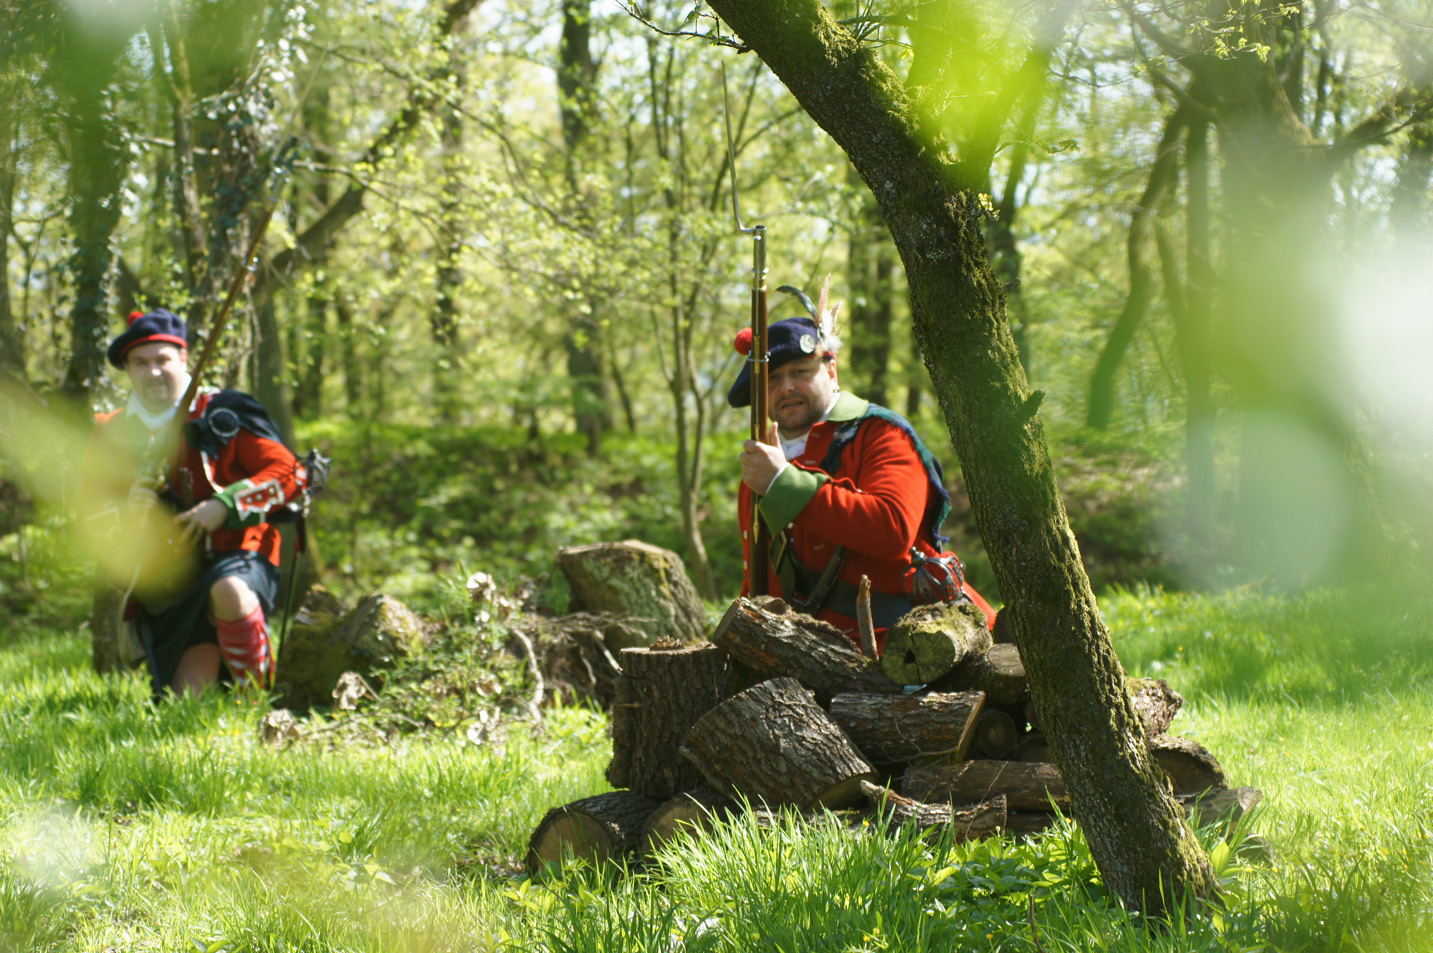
229,472
848,485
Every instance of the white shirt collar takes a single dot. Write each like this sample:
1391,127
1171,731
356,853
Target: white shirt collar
159,420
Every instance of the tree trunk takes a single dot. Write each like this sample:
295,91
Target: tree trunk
773,640
893,728
1138,837
661,694
929,641
12,340
773,743
870,271
596,829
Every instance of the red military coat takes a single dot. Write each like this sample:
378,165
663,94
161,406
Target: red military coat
251,473
875,504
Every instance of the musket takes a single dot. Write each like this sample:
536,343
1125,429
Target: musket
757,357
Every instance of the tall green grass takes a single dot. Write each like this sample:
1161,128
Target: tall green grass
125,826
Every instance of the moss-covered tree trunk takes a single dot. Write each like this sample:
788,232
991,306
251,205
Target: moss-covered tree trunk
1144,849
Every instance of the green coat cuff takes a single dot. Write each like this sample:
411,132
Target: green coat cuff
227,497
788,495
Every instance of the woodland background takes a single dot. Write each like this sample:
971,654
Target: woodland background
503,275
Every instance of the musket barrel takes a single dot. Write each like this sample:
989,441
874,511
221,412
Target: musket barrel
760,346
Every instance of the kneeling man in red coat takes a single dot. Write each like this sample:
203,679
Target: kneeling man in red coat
229,472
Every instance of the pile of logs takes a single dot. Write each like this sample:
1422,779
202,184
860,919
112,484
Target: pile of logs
782,710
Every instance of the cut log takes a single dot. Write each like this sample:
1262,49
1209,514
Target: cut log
1191,769
646,584
607,826
773,744
1222,805
998,673
1033,747
324,642
1004,628
661,694
1155,702
996,734
690,811
890,729
930,641
968,823
1026,786
779,643
1029,823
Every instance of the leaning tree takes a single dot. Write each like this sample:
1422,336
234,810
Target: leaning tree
933,208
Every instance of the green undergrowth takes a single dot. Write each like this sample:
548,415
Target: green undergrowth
127,826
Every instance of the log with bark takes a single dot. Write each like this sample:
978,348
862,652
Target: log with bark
1225,806
930,641
890,729
1029,823
1190,767
691,811
1026,786
643,583
998,673
660,695
969,822
603,827
774,744
1155,703
777,641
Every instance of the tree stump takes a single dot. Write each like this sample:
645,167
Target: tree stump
773,743
778,642
603,827
996,734
1191,769
1155,702
645,583
968,823
998,673
890,729
1026,786
930,641
688,812
661,694
114,645
324,642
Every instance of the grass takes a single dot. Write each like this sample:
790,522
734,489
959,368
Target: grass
130,827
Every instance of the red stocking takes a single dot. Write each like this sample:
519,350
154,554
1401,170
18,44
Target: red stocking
244,643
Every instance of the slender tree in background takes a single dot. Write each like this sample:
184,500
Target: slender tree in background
12,342
1145,850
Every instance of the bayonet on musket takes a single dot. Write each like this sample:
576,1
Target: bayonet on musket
758,356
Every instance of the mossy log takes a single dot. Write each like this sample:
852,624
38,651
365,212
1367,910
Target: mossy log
930,641
660,695
889,729
644,583
1190,767
604,827
776,642
773,743
998,673
1026,786
324,642
996,734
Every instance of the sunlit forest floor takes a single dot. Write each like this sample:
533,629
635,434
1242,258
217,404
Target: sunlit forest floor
125,826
